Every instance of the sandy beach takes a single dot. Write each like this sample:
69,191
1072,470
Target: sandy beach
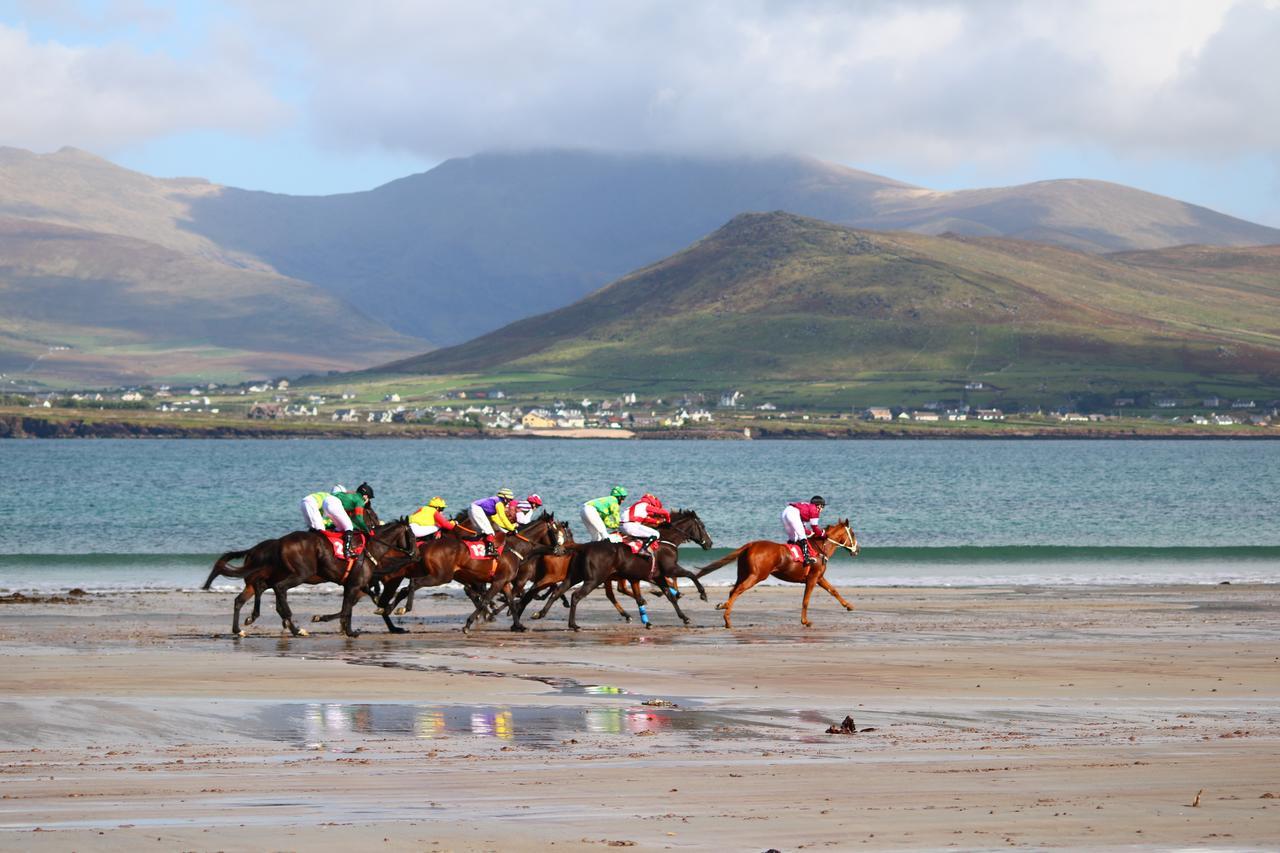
990,717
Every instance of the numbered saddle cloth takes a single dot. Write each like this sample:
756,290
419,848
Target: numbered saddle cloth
795,552
476,547
335,542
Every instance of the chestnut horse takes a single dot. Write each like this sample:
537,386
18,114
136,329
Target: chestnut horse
447,558
759,559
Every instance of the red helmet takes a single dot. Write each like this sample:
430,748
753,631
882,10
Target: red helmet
535,500
650,499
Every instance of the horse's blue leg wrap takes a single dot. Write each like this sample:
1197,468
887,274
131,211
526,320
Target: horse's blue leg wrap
644,615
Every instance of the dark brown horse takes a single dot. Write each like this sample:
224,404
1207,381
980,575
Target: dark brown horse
447,558
762,558
596,563
306,557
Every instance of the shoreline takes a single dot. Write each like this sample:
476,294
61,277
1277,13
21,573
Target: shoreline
71,427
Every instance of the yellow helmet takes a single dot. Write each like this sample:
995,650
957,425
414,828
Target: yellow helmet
437,503
506,494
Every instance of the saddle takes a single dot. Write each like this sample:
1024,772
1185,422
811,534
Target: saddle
793,550
640,549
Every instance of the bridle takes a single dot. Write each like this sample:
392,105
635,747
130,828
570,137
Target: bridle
852,547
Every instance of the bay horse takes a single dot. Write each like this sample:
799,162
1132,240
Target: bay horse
763,558
447,558
306,557
596,563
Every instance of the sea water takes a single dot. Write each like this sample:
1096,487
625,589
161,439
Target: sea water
152,514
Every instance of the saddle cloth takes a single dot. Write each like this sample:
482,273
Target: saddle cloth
335,542
476,547
636,546
795,552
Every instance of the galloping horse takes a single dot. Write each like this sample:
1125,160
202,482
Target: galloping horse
306,557
595,563
448,558
759,559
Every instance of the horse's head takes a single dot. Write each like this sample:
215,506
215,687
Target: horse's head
565,534
841,533
687,523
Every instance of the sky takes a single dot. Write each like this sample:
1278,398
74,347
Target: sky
1178,97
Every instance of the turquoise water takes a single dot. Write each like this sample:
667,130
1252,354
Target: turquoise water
104,514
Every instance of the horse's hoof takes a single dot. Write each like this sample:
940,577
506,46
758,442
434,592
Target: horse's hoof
240,633
315,618
399,630
303,632
536,616
519,629
849,608
379,611
648,625
704,597
720,606
626,618
400,611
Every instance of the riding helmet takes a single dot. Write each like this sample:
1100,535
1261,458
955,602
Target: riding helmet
534,500
506,494
818,500
366,490
437,503
618,492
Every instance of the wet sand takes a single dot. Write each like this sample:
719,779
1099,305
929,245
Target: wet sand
1001,717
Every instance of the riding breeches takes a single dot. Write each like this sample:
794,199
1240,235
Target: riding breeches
638,531
595,526
422,531
311,514
480,520
792,524
334,512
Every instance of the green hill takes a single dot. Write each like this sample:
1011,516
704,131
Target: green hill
810,308
87,308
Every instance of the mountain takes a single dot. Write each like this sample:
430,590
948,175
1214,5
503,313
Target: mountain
783,299
479,242
89,308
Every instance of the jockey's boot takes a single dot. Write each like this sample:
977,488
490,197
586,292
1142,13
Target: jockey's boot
489,549
649,543
808,555
346,543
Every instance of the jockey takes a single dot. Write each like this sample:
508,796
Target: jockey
603,514
312,511
794,519
525,508
492,510
647,509
346,511
431,518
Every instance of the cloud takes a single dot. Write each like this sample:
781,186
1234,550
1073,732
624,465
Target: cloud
939,82
102,96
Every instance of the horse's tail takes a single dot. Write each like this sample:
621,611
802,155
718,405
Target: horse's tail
220,567
723,561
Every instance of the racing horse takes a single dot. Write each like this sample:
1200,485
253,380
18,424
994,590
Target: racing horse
596,563
763,558
448,558
306,557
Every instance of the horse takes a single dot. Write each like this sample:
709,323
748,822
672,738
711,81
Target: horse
596,563
761,558
447,558
306,557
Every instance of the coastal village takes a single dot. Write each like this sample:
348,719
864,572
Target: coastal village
494,412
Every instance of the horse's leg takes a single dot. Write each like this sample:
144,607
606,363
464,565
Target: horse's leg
257,605
747,578
678,571
389,588
282,607
666,590
349,596
810,581
613,599
826,584
398,606
559,593
236,630
518,611
581,593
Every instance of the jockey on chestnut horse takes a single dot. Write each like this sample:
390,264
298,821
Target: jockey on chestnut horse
762,558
